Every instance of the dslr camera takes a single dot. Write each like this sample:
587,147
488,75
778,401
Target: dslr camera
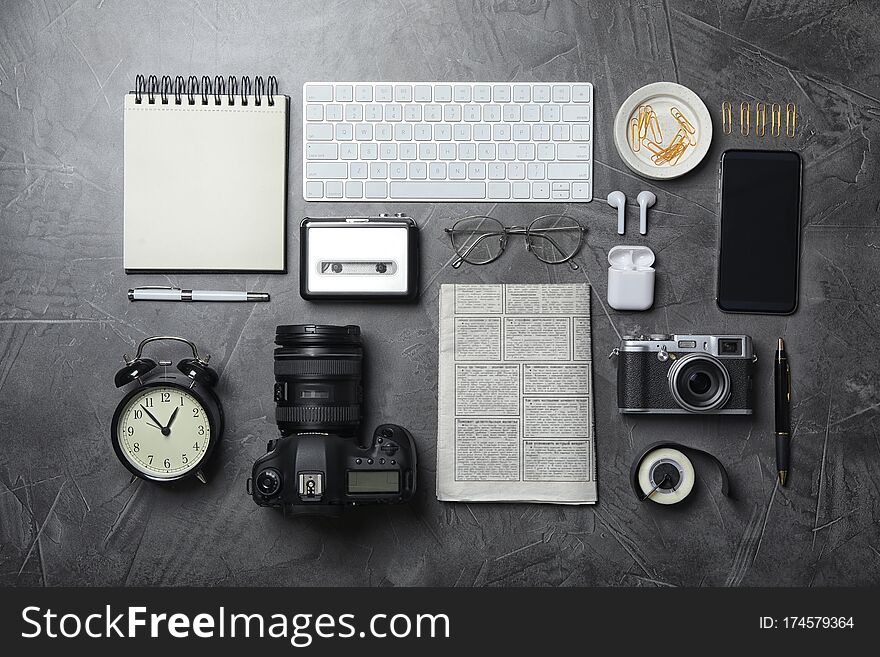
318,465
664,374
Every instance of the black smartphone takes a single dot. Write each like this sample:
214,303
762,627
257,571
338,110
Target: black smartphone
760,232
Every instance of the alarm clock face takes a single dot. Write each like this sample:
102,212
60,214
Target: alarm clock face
163,432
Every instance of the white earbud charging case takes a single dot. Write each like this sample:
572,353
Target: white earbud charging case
630,278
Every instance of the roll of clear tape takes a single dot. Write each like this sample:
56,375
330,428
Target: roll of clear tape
666,476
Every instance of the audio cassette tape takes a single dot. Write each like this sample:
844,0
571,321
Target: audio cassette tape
359,258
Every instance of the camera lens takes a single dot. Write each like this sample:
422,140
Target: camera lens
381,267
699,383
318,379
269,482
336,267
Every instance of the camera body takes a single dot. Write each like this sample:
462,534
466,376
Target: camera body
314,473
318,465
678,374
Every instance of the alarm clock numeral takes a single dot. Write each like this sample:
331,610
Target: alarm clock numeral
184,458
201,429
130,430
136,447
165,397
182,399
150,456
196,447
148,402
138,414
195,412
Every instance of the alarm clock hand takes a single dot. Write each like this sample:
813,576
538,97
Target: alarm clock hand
152,417
171,419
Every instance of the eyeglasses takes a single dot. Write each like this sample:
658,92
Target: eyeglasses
553,238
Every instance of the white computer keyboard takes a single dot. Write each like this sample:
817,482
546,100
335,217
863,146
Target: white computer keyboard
436,141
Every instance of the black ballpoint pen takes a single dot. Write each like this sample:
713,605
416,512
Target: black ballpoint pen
783,411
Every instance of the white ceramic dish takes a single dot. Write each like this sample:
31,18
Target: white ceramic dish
663,97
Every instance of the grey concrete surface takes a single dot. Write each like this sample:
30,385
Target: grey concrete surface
70,513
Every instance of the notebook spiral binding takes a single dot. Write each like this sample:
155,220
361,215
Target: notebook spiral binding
193,90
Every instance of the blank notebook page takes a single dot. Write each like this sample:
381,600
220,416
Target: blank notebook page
205,185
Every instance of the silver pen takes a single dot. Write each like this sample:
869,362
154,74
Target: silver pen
167,293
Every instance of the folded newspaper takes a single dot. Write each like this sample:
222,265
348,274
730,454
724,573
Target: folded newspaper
515,409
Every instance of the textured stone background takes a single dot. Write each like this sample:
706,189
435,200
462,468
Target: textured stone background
70,513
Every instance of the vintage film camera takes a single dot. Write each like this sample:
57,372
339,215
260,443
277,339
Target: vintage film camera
318,465
663,374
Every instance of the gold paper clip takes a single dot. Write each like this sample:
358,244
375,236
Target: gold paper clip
775,119
745,118
634,142
726,118
655,126
682,120
790,119
760,119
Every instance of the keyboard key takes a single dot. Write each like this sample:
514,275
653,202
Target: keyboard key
412,113
500,132
326,170
322,152
344,132
452,113
393,112
348,151
437,170
314,190
561,132
441,190
373,112
457,170
559,186
363,93
461,132
403,93
516,170
354,112
525,152
319,93
427,152
375,189
501,93
557,171
491,113
418,170
499,190
541,132
572,113
550,113
369,151
384,93
580,132
403,131
407,151
496,171
482,132
559,195
541,93
344,93
546,152
443,93
423,132
433,113
531,113
580,190
540,190
522,93
333,189
383,132
319,132
482,93
378,170
472,113
486,152
477,171
467,151
535,170
442,132
422,93
354,189
573,152
511,113
333,112
521,190
461,93
522,132
314,112
397,171
447,151
358,170
561,93
506,151
388,151
363,131
580,93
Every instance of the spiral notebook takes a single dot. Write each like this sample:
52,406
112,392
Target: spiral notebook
205,175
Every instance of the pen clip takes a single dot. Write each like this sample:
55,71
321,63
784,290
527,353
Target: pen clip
156,287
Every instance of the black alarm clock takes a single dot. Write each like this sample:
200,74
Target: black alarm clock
169,423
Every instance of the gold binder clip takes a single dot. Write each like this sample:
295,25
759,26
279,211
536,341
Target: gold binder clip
790,119
760,119
726,118
745,118
775,119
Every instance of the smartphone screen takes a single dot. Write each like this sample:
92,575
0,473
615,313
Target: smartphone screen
760,231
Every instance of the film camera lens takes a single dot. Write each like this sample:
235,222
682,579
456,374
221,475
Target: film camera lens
269,481
381,267
699,383
318,379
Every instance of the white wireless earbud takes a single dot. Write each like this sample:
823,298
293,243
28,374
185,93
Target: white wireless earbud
618,200
645,200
